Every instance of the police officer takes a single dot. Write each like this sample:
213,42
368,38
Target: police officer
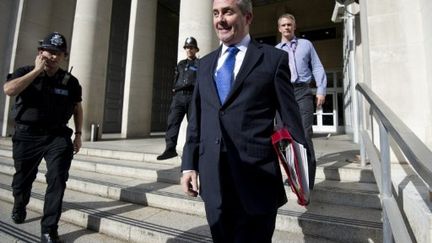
46,98
184,82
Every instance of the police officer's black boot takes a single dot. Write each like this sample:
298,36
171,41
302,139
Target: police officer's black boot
19,215
51,237
167,154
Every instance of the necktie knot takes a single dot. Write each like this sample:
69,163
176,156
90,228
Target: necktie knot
232,50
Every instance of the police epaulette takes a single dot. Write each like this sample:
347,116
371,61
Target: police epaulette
67,77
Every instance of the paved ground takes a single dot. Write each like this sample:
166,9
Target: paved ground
327,147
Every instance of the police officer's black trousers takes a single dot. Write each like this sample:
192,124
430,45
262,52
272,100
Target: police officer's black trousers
180,106
28,150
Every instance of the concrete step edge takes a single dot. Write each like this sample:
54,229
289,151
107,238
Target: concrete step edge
92,218
10,233
77,214
6,149
344,172
77,179
29,231
176,201
150,156
83,155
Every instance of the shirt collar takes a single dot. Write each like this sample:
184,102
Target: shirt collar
293,41
242,45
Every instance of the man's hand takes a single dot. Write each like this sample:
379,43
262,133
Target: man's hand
320,99
189,183
40,62
77,143
17,85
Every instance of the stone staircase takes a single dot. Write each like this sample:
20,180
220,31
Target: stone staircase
130,196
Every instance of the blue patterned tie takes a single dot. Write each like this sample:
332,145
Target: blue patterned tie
225,74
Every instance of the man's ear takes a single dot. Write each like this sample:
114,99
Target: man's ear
249,17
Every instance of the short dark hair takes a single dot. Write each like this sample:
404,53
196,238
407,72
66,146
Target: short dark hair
245,6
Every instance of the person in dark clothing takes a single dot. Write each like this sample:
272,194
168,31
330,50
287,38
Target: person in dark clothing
46,97
184,82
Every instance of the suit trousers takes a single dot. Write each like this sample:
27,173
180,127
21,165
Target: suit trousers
180,106
304,97
29,148
231,223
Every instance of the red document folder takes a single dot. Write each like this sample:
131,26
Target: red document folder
293,158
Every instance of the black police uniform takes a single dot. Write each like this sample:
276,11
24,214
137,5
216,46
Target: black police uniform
184,82
41,113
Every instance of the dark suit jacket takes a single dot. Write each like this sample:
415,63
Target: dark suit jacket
243,126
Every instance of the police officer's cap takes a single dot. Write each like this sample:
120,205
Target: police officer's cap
190,42
54,41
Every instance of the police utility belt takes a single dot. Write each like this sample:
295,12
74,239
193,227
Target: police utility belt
38,129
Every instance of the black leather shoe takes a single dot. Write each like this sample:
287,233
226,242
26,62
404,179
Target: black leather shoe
19,216
50,237
167,154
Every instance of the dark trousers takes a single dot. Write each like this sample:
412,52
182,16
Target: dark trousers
304,98
230,223
29,147
180,106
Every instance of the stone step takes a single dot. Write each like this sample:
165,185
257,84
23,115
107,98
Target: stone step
85,174
332,162
292,217
116,174
345,171
169,196
135,223
144,150
30,230
170,172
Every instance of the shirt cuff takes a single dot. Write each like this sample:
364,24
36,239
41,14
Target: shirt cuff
187,171
321,91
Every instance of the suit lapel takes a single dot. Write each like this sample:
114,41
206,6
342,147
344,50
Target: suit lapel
252,56
211,71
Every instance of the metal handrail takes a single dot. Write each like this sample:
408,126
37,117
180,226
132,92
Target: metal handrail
416,152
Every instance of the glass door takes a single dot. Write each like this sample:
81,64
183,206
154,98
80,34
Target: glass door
329,118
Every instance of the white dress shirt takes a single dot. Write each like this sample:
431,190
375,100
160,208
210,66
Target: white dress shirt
242,46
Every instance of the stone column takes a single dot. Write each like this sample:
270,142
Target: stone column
137,101
196,20
89,57
10,20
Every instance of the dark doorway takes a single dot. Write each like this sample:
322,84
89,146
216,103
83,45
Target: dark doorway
165,62
116,66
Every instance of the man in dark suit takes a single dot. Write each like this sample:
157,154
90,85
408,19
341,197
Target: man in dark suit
228,141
